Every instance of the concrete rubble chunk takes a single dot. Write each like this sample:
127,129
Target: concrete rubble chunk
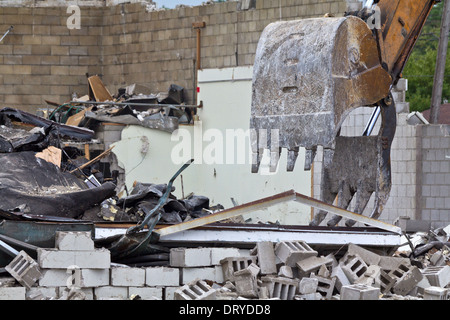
308,285
371,277
195,290
265,253
232,264
286,271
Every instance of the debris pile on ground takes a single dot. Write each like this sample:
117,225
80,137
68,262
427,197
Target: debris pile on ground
294,271
285,270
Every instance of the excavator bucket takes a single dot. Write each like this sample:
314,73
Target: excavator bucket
308,76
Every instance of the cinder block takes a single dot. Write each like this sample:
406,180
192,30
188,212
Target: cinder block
438,276
190,257
279,287
386,282
312,264
88,293
367,256
218,254
265,253
111,293
359,292
24,269
12,293
325,286
391,263
127,277
289,252
435,293
41,293
354,267
55,278
162,276
74,241
169,293
233,264
63,259
80,278
371,277
406,278
146,293
195,290
204,273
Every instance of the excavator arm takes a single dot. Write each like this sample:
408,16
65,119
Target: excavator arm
310,74
400,24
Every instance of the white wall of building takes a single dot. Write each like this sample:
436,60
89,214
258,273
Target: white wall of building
226,97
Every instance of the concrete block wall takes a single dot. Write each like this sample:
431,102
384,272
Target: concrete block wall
434,175
41,59
129,43
74,266
420,165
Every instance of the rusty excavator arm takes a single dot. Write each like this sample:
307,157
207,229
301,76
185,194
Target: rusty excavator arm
310,74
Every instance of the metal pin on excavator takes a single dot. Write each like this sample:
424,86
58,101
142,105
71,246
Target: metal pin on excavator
310,74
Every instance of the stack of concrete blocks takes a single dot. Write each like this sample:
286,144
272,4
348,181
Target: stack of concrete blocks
201,263
74,264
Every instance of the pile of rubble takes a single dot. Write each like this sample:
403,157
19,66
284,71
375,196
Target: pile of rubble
294,271
288,270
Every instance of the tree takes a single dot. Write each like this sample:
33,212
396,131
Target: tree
419,70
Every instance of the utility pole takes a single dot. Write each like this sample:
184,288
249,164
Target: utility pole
436,98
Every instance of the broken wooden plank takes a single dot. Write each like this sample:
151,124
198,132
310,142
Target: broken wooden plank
97,90
75,119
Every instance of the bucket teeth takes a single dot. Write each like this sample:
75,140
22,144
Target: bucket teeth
291,159
309,158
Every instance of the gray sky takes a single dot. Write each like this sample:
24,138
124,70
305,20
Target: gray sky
173,3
